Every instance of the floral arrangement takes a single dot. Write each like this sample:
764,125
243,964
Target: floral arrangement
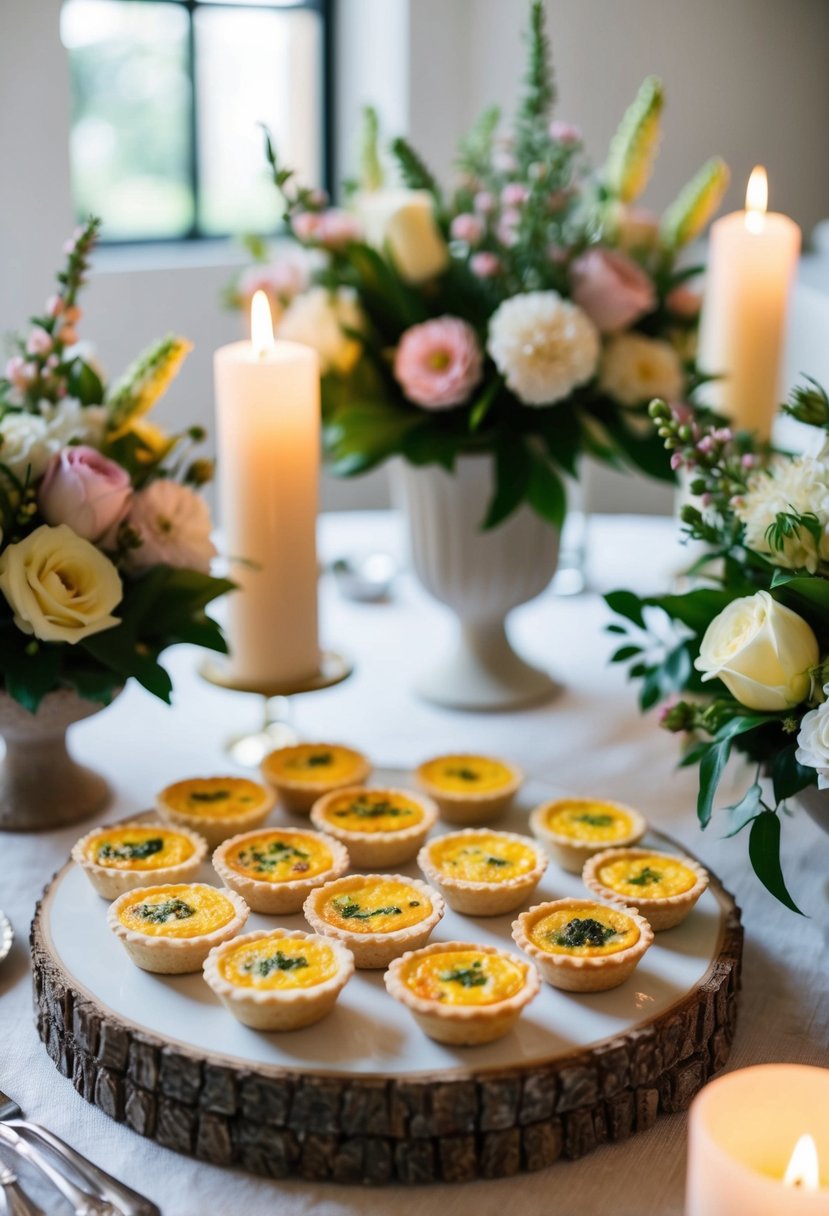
105,543
741,661
530,311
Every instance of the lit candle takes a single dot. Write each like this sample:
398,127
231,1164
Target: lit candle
268,423
751,262
757,1140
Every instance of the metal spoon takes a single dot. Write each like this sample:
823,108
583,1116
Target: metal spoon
12,1199
366,578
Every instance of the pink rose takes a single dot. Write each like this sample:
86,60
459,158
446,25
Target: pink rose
172,525
85,490
612,289
438,363
306,225
485,264
467,227
338,228
683,301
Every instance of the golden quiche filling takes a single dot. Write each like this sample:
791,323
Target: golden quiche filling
489,858
214,797
278,963
588,820
378,906
373,811
279,856
139,848
464,774
316,763
177,910
656,877
584,931
464,977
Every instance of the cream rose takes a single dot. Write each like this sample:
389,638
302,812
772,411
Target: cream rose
59,586
403,221
762,652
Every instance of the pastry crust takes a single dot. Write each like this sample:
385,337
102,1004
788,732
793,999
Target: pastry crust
469,808
279,1009
300,793
373,950
662,912
571,853
461,1025
376,850
216,828
278,898
482,898
110,882
578,973
174,955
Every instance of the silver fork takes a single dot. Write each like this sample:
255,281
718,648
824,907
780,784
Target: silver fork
14,1202
110,1197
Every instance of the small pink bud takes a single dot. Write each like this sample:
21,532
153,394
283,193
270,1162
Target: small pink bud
748,461
467,227
514,194
566,133
39,342
484,202
677,461
54,306
68,335
485,264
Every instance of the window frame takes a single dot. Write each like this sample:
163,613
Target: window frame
194,236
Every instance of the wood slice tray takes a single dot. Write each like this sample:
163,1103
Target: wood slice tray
364,1097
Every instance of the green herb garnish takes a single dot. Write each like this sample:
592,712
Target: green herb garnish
349,909
586,932
266,860
209,796
467,977
463,774
319,759
274,962
363,809
497,861
596,819
131,850
645,877
160,914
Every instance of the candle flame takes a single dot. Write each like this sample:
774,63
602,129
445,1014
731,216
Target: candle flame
757,199
803,1170
261,323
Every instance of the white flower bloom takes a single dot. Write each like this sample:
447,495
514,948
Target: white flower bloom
543,345
799,484
172,523
30,440
635,369
813,741
317,319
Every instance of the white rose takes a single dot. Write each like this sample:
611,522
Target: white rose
318,319
59,586
762,652
403,221
813,741
24,447
635,369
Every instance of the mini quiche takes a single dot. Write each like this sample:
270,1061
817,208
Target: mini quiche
171,929
279,980
302,774
573,829
663,887
274,869
123,856
581,945
215,807
379,827
469,789
481,872
377,916
462,993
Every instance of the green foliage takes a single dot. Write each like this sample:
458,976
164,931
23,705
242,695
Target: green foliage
764,853
539,95
695,205
475,149
808,403
371,170
413,169
147,379
633,148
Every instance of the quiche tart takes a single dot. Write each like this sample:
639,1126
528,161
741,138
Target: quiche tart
462,993
172,928
481,872
377,916
276,979
123,856
582,945
215,807
302,774
573,829
274,869
664,887
379,827
469,789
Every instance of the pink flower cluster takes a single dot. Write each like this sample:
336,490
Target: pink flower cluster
439,363
333,229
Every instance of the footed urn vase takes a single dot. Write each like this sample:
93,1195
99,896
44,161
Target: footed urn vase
41,786
481,576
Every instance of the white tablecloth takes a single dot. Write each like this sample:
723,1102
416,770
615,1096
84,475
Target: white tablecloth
592,738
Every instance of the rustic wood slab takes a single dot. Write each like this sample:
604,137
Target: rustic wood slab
451,1126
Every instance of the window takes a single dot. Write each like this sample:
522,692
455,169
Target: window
167,98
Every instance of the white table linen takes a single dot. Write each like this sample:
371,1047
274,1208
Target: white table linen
592,739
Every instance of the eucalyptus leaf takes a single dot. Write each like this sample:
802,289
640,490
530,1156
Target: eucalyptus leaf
764,854
745,811
711,768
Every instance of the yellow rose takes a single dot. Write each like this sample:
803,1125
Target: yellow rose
59,586
403,221
762,652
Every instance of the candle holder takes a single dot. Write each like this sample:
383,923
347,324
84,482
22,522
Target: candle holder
277,730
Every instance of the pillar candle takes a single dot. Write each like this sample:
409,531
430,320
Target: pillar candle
751,264
758,1144
268,424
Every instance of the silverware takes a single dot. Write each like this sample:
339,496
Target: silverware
366,578
13,1202
6,935
109,1198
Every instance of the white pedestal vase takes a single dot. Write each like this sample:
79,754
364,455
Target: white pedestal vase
481,576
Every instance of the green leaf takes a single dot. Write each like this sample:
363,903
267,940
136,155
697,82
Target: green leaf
764,854
29,677
413,169
711,769
512,476
483,405
696,609
425,445
114,649
624,653
362,434
626,604
745,811
85,384
561,430
545,492
93,683
788,776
